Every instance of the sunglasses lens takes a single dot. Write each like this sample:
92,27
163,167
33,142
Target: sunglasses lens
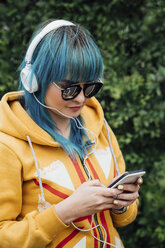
89,89
71,92
92,89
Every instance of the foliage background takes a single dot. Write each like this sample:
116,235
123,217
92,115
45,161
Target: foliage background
130,34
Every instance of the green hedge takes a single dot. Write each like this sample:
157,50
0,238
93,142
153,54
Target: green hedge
130,35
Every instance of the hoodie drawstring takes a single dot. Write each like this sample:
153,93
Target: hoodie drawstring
111,148
37,168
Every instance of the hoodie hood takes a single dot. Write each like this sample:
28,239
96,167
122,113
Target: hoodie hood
16,122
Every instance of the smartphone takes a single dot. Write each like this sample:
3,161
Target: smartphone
127,177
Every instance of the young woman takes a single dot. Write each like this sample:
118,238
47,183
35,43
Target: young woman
57,153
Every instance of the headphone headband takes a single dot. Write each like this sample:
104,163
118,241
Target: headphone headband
51,26
26,73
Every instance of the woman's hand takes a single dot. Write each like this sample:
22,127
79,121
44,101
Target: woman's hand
91,197
130,192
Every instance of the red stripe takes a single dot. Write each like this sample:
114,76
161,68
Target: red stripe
83,218
89,217
103,221
95,234
52,190
79,172
94,231
114,173
67,239
92,169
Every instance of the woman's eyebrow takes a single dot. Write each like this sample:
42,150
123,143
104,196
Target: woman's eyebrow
68,81
71,82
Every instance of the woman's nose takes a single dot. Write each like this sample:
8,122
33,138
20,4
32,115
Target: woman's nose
80,97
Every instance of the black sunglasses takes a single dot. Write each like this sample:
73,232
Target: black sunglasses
70,92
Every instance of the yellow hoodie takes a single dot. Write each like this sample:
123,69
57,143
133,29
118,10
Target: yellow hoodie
27,215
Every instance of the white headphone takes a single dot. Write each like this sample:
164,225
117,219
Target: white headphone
26,73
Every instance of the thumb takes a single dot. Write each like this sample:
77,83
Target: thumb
96,182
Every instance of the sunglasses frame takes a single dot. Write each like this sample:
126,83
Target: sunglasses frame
86,85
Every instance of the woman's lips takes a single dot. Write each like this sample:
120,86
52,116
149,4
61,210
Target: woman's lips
76,108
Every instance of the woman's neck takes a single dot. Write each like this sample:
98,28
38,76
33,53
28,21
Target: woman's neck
62,123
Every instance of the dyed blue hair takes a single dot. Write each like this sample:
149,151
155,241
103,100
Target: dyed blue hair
69,50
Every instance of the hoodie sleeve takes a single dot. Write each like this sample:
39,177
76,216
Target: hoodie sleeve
35,229
130,215
125,218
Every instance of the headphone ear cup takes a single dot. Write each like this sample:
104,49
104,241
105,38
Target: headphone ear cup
26,79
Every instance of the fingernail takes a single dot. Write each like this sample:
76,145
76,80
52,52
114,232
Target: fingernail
140,180
115,202
120,187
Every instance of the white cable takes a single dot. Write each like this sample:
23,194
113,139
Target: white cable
91,229
70,117
86,129
45,106
116,165
80,126
95,143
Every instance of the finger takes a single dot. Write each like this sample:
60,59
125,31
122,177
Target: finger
130,187
119,203
95,182
108,192
105,206
128,196
102,202
140,181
